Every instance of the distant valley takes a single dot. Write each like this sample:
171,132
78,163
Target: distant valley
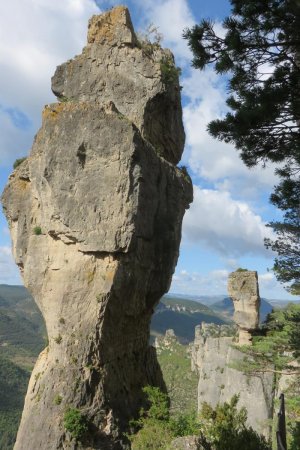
23,336
182,315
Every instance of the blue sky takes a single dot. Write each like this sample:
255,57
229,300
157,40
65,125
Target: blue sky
225,227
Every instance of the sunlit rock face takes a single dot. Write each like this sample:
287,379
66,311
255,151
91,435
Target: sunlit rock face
95,215
244,292
217,359
218,362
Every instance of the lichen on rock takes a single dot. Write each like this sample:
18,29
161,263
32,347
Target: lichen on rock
114,67
102,187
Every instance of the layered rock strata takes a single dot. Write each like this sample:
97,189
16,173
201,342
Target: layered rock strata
216,360
95,217
244,292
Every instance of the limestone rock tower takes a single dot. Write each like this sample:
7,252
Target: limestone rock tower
95,216
244,291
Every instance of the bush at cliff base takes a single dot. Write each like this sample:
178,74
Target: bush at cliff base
278,351
223,428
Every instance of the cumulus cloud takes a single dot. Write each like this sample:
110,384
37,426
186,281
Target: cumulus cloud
225,225
172,17
196,283
210,159
269,287
35,36
9,273
204,94
267,281
215,283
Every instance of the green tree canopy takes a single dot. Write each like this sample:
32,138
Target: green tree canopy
287,265
224,428
278,351
278,347
260,51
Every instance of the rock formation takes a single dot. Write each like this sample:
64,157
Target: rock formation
215,356
186,443
165,342
95,217
244,292
214,359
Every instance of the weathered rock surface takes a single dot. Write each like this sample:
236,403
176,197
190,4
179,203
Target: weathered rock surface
186,443
214,358
165,342
95,216
115,67
244,291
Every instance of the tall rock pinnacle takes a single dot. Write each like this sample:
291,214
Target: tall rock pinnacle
95,217
243,289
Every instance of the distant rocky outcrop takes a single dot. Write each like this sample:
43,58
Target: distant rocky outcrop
95,217
165,342
225,307
244,292
215,357
182,316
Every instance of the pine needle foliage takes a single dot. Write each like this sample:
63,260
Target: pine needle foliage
260,53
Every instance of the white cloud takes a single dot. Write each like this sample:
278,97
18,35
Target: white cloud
225,225
196,283
266,277
215,283
269,287
171,17
267,281
35,36
9,273
210,159
231,263
205,94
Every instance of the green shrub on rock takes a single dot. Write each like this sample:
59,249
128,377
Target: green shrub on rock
224,428
169,72
75,423
37,231
153,436
156,429
18,162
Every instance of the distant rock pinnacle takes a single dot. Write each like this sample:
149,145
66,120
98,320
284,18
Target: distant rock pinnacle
243,289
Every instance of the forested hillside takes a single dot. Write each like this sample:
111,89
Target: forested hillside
22,337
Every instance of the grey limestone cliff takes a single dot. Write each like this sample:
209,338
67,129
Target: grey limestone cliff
95,217
215,357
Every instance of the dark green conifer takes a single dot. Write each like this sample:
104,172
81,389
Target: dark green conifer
261,54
